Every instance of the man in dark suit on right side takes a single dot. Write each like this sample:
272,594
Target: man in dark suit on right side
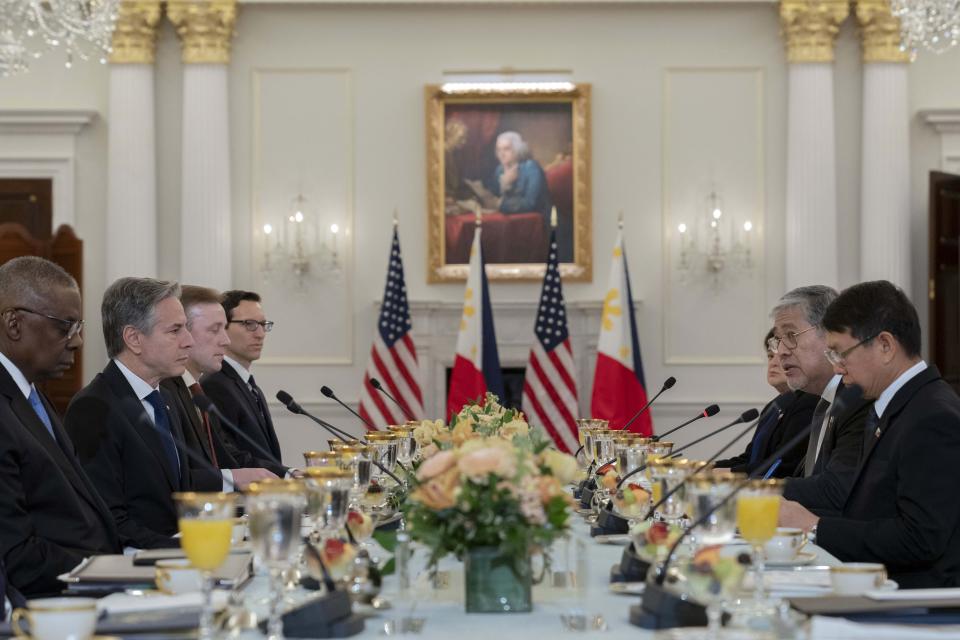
902,508
233,389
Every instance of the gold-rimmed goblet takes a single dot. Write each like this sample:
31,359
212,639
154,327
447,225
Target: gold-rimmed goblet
666,477
332,458
205,521
384,448
275,508
406,443
328,498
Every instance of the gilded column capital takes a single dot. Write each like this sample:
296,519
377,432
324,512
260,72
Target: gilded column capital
810,28
205,28
134,38
879,32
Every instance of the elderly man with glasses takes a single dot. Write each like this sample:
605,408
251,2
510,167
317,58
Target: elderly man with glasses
51,516
233,389
827,466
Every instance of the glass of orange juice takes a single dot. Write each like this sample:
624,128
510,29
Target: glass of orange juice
205,521
758,507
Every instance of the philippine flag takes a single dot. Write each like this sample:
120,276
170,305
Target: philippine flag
619,390
476,368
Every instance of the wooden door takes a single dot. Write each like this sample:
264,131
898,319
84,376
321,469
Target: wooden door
29,202
944,275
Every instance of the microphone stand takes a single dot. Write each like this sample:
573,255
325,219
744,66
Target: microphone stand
376,385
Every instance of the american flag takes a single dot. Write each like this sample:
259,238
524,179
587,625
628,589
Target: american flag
393,358
549,389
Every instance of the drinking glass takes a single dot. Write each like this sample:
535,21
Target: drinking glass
332,458
666,475
406,443
585,427
328,498
631,452
704,492
357,460
205,521
758,507
383,449
274,508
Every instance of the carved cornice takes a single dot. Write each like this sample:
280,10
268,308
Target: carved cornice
135,34
810,28
205,28
879,32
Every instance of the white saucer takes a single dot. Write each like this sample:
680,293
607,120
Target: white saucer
628,588
613,538
803,559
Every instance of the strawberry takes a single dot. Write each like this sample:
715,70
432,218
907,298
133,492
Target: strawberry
355,518
658,533
333,549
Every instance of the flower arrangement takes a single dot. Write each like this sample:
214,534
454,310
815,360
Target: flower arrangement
487,481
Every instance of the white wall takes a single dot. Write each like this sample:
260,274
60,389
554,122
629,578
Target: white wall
389,53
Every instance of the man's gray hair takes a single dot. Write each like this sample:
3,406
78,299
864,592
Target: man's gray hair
516,141
812,301
28,280
132,302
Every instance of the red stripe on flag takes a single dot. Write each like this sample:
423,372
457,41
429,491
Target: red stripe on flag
531,397
379,401
563,372
618,395
414,385
552,392
386,378
466,385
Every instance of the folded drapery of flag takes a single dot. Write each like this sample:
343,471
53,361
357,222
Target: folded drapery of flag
476,367
549,387
393,358
619,390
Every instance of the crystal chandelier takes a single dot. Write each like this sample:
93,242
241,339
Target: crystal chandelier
933,25
28,28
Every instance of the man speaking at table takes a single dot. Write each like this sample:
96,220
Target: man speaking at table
902,509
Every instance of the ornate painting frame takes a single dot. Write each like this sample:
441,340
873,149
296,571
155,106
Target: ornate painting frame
571,103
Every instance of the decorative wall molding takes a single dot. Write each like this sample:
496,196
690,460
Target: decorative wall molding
946,122
54,122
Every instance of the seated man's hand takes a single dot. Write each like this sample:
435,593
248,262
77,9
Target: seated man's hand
243,477
793,514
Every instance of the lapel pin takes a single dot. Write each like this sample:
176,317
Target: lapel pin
877,432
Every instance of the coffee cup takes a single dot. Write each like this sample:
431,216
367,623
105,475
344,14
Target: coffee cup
174,577
785,544
56,619
855,578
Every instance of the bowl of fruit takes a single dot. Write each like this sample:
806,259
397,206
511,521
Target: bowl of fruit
631,501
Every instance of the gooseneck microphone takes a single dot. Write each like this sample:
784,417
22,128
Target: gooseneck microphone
667,384
376,385
328,392
709,412
294,407
206,405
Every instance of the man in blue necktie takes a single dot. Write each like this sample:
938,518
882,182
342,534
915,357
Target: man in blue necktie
51,516
126,433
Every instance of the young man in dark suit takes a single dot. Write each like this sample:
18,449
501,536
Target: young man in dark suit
902,509
233,389
203,432
122,423
51,516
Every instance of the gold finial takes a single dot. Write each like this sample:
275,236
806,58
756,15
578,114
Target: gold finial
810,28
205,28
553,217
620,220
134,38
396,219
478,212
879,32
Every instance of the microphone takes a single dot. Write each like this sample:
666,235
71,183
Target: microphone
293,407
801,436
328,392
376,385
667,384
709,412
206,405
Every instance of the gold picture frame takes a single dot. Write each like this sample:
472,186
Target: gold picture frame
470,134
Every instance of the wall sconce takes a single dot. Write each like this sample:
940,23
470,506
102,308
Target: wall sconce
301,245
714,243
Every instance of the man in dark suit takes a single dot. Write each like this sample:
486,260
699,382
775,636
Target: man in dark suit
10,596
203,432
902,508
233,389
122,423
51,516
781,419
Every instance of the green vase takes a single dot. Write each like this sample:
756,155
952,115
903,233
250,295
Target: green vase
497,583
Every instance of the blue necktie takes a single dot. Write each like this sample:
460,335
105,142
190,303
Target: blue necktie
41,411
762,434
162,421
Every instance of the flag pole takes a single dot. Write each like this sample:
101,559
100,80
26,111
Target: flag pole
553,217
620,220
396,219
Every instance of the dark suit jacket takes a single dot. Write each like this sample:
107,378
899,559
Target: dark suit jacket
235,400
10,592
825,491
797,410
51,516
228,454
902,509
123,455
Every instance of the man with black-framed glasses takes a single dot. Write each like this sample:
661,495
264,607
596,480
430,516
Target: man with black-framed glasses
51,515
234,389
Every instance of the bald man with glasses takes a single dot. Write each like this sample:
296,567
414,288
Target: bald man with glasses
51,516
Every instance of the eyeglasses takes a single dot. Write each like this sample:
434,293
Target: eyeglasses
837,358
789,340
73,327
251,325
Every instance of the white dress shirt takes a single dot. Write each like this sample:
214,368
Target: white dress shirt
884,399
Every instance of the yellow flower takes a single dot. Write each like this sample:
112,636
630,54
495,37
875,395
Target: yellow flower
517,426
562,466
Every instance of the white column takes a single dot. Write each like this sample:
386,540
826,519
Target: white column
131,224
205,224
885,182
811,207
